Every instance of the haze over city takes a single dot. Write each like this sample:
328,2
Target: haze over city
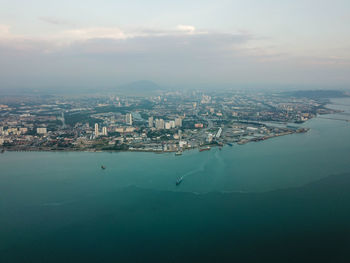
175,131
95,44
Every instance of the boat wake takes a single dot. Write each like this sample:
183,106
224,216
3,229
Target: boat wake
57,203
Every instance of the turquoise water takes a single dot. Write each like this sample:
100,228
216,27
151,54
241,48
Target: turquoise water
52,202
280,162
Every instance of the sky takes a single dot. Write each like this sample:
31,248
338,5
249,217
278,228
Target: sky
106,43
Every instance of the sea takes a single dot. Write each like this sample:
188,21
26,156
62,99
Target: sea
286,199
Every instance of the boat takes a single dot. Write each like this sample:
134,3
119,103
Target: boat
204,149
179,180
103,167
242,142
178,153
229,144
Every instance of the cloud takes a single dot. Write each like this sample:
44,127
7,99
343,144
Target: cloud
182,36
116,33
182,54
186,28
4,30
93,33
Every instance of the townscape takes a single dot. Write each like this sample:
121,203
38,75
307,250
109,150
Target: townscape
168,121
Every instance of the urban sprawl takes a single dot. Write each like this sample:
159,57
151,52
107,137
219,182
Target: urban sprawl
164,122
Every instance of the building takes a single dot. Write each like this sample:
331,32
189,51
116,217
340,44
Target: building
160,125
218,134
150,122
167,125
178,122
128,118
13,131
96,130
104,131
172,124
157,124
210,138
182,144
23,130
124,129
41,130
62,120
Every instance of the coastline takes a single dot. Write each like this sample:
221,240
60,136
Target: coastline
226,143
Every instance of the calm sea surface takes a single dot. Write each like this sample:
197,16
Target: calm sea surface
241,203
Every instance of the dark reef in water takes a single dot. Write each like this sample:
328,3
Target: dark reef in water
306,224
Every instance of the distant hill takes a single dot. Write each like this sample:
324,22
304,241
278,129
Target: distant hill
140,87
316,94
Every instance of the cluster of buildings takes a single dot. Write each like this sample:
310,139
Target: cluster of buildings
160,124
98,133
170,121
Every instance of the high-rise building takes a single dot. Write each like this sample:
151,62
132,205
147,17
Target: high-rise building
178,122
128,118
160,124
150,122
63,120
218,134
96,130
167,125
180,135
104,131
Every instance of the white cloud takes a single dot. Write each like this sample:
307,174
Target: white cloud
93,33
62,38
4,31
186,28
88,33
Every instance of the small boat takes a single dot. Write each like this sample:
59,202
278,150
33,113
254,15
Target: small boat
204,149
179,180
230,144
178,153
103,167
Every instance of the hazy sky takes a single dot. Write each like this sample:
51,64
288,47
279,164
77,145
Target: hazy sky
85,43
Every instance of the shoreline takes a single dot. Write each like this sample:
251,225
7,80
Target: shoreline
227,143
